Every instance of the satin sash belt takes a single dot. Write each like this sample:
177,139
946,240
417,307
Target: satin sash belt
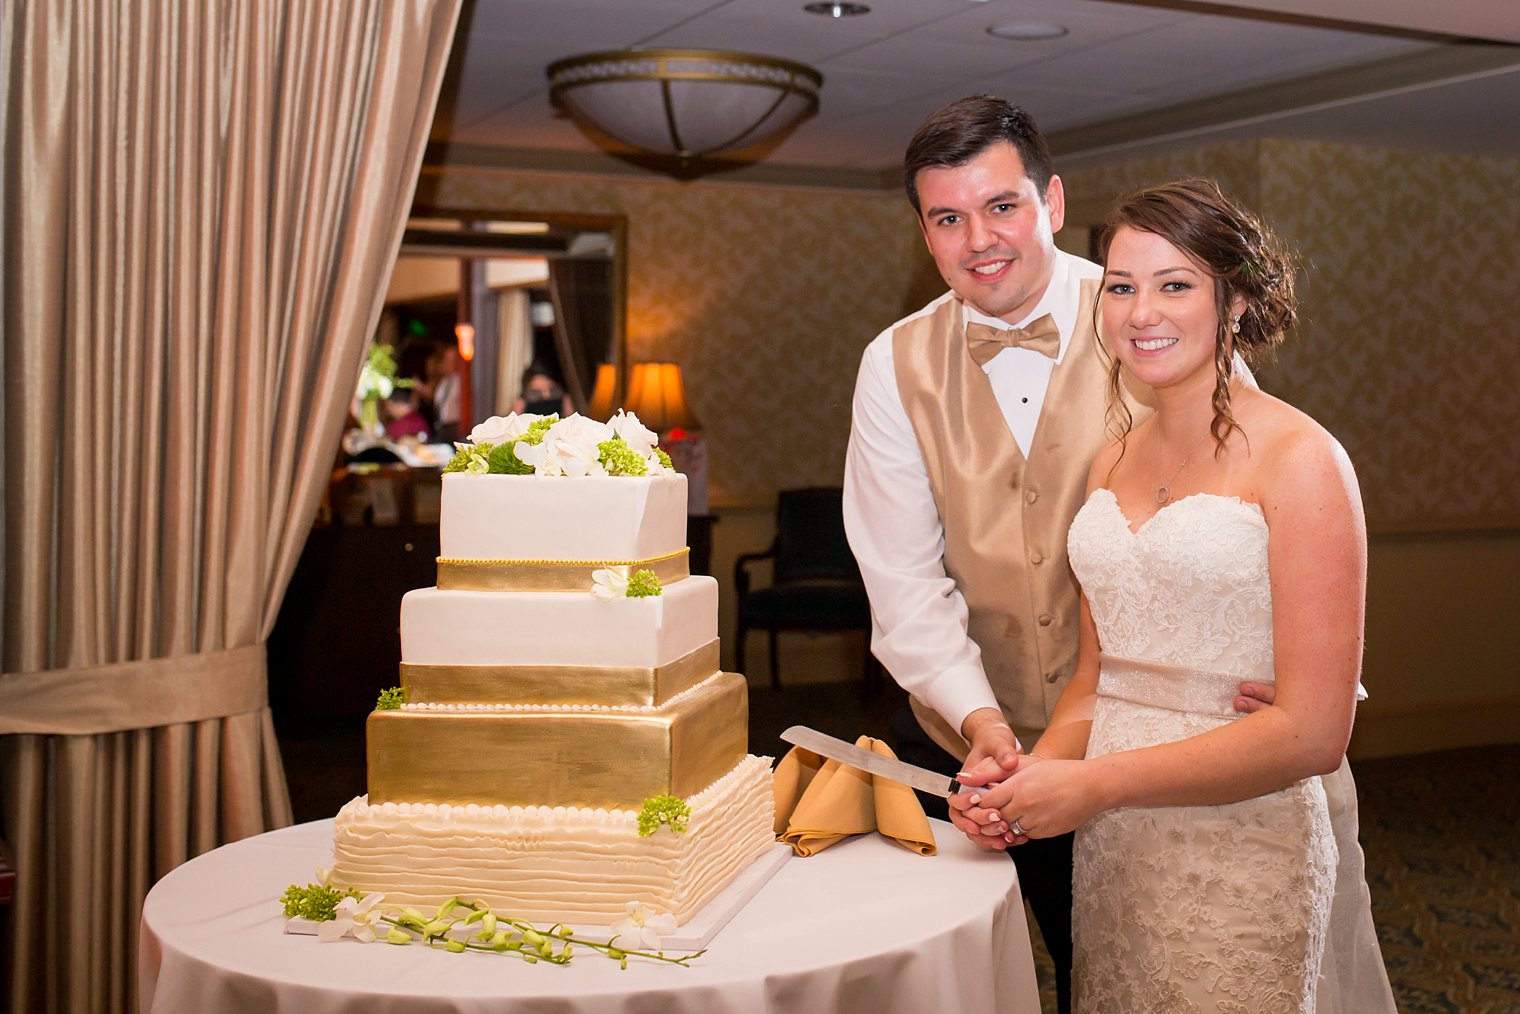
1173,687
549,575
135,695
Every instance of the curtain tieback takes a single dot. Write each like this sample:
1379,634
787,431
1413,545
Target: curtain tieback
135,695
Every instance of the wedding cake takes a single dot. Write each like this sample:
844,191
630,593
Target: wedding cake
564,742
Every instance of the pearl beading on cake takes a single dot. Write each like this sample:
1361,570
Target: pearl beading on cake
536,708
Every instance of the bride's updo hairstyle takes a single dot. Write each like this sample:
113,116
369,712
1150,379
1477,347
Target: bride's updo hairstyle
1243,257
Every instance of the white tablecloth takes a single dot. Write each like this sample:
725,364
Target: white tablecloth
865,926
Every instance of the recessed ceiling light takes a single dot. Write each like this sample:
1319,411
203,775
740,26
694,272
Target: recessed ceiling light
1028,31
837,10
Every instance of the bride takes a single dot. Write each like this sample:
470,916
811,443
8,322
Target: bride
1222,541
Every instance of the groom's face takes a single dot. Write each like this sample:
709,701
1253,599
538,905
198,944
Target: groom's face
991,230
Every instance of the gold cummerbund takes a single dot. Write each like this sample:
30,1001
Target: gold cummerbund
559,757
558,684
549,575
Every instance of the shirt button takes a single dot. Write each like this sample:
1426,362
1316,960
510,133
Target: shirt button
1036,559
1031,496
1052,677
1046,619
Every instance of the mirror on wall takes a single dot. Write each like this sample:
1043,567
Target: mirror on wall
487,297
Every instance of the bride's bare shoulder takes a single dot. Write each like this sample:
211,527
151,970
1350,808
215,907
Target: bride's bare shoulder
1293,455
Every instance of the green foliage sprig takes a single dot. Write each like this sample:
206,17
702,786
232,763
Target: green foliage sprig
667,810
391,700
643,584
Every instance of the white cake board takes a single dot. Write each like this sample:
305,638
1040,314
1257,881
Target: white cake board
694,934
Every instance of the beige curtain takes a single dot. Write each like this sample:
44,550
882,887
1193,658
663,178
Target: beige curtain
201,205
514,345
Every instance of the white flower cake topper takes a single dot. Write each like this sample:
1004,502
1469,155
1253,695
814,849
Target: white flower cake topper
501,428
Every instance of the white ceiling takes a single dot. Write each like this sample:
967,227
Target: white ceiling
1130,74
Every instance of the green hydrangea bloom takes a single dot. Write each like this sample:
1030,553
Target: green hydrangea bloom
620,459
317,902
667,810
391,700
664,458
643,584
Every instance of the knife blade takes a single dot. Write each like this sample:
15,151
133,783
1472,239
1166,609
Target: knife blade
874,763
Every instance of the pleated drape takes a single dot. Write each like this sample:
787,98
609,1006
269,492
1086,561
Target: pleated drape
202,202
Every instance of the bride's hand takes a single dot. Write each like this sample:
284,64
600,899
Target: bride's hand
1046,798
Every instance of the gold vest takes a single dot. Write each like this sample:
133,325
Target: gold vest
1005,516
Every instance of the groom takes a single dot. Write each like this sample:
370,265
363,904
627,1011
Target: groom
974,422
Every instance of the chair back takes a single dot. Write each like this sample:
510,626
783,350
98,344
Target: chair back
810,539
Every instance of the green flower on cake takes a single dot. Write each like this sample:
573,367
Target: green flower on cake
643,584
391,700
548,445
611,583
670,811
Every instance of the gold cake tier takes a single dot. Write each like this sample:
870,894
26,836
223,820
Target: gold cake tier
558,684
560,757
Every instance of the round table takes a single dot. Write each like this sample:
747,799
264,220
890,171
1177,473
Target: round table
864,926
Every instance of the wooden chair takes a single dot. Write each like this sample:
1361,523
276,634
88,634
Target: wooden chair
815,582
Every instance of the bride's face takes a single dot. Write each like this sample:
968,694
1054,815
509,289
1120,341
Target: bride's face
1158,310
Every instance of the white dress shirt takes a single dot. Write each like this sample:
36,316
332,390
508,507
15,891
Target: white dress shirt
918,616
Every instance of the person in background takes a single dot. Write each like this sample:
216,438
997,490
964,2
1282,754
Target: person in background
973,425
443,383
402,416
542,394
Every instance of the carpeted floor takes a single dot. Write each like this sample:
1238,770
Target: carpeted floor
1441,834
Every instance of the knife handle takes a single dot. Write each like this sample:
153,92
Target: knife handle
956,788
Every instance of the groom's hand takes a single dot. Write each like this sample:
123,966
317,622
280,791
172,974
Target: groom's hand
1255,696
993,758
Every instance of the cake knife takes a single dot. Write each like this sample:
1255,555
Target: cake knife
898,771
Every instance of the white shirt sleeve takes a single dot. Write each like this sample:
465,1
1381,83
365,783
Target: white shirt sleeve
918,616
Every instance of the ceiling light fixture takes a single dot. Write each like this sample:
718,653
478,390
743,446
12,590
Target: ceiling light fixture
685,103
837,10
1028,31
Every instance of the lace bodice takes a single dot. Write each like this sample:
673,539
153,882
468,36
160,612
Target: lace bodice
1190,588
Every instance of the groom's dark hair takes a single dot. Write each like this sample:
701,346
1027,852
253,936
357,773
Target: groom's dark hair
957,133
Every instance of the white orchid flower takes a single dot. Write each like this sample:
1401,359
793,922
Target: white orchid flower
353,918
656,466
644,925
609,583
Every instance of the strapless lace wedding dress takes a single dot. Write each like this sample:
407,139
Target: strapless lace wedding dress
1206,908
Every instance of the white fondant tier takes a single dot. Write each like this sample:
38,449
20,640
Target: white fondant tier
441,627
529,517
561,864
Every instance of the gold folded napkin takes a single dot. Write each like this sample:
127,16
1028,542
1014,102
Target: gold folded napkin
819,802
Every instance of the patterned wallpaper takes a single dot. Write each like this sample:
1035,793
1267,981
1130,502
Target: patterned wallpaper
1410,347
766,296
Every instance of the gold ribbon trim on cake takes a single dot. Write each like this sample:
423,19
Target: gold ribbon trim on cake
558,684
549,575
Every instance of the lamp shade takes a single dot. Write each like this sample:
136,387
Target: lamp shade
600,404
657,396
684,102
